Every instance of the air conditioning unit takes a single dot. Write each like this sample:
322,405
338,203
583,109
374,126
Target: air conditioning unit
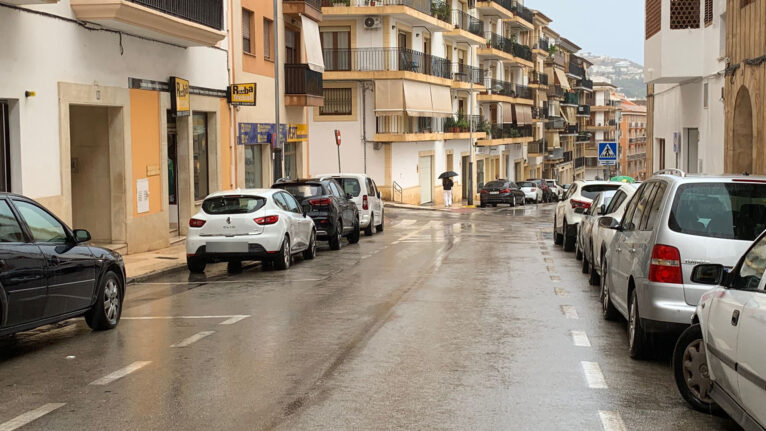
372,22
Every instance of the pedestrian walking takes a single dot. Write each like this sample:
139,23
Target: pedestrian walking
447,184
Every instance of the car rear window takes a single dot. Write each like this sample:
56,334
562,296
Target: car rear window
302,191
720,210
494,184
349,185
233,204
592,191
526,184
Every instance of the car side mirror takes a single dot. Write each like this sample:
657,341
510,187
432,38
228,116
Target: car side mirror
81,235
711,274
609,223
379,195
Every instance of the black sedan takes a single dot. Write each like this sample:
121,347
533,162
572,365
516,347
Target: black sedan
334,213
48,272
501,192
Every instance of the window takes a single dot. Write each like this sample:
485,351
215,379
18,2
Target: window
627,221
201,185
292,46
350,186
371,188
337,101
253,167
450,162
293,204
619,197
268,44
291,161
656,208
653,17
705,95
302,191
752,267
661,153
44,227
591,191
645,206
10,231
336,43
684,14
708,12
247,27
233,204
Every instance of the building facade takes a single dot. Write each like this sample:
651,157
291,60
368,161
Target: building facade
633,140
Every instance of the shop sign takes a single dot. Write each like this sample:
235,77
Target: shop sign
263,133
180,98
242,94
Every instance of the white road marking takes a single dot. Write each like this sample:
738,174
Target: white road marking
414,233
407,222
30,416
593,375
234,319
560,292
181,283
109,378
580,339
570,312
230,319
612,421
193,339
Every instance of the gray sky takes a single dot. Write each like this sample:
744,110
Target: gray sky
603,27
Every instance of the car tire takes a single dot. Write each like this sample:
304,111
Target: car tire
594,279
579,255
608,311
284,257
638,341
513,202
494,205
105,313
311,252
196,265
569,240
234,267
558,238
355,234
370,229
336,239
585,265
379,227
690,370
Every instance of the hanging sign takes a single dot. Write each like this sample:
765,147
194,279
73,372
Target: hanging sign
264,133
180,99
241,94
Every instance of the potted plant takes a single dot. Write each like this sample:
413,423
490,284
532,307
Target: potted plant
485,127
449,125
462,123
552,49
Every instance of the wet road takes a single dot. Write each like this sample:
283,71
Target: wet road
464,321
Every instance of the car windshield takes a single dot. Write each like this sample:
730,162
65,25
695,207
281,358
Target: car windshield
551,183
526,184
592,191
720,210
349,185
606,197
494,185
233,204
302,191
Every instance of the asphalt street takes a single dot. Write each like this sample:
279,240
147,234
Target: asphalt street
470,320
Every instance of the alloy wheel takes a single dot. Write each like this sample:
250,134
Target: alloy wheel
286,256
632,323
313,244
111,301
696,371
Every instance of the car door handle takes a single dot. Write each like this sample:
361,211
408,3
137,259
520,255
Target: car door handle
632,250
735,318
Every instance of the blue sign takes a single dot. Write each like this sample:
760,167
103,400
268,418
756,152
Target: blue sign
607,153
263,133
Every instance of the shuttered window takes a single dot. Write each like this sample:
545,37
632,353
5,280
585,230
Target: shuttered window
708,12
684,14
337,101
653,17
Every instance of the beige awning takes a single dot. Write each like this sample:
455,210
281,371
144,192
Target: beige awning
562,77
417,99
523,114
389,97
507,112
565,116
553,140
312,44
441,101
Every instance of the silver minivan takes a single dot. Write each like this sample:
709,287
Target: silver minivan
362,189
672,223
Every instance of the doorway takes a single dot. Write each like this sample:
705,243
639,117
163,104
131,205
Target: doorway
426,180
517,171
173,216
466,160
479,174
742,151
692,158
253,167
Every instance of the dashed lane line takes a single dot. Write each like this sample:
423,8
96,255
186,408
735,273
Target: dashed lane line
612,421
580,339
230,319
109,378
193,339
30,416
560,292
593,375
234,319
570,312
413,233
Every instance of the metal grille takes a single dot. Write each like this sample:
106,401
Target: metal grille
708,12
206,12
684,14
337,101
653,17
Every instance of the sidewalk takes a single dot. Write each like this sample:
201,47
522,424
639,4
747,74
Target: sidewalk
140,266
456,207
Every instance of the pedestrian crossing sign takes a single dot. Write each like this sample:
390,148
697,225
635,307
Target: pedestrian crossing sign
607,153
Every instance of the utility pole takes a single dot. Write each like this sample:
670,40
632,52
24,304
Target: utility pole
278,130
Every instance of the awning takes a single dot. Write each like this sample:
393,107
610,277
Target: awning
312,44
553,140
562,77
389,97
507,112
441,101
523,114
566,114
417,99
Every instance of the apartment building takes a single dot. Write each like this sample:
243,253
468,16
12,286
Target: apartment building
685,58
114,114
633,139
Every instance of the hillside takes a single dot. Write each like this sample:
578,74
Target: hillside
625,74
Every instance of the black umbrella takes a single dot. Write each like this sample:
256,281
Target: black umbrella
448,174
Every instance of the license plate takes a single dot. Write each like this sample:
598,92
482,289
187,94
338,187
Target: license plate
226,247
494,193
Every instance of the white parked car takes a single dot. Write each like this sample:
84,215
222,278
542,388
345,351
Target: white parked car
556,188
532,193
570,210
365,194
718,362
588,223
265,225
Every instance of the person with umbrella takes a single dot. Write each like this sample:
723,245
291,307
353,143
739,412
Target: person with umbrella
447,184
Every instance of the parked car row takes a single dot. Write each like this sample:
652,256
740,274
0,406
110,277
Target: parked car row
273,225
655,250
507,192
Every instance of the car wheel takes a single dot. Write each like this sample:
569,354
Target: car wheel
195,264
335,240
558,238
578,251
594,279
607,308
569,239
353,237
284,258
370,229
311,252
691,373
234,267
107,310
513,201
379,227
637,338
585,265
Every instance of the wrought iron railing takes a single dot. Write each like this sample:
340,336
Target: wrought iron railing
555,123
424,6
543,44
583,137
555,91
538,78
464,21
522,12
637,140
567,156
401,124
316,4
206,12
583,110
507,131
579,162
495,86
537,147
508,46
571,99
576,69
389,59
465,73
463,124
584,83
570,129
299,79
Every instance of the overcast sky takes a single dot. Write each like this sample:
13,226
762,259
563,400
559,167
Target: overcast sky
603,27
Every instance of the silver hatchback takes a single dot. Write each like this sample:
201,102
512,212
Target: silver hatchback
673,223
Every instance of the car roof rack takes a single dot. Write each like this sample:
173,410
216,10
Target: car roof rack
676,172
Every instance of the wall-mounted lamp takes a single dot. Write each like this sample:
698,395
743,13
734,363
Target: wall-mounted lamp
29,94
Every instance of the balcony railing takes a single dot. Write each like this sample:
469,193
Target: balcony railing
583,137
437,9
571,99
206,12
537,147
299,79
539,113
388,59
538,78
402,124
583,110
465,73
637,140
591,162
555,91
567,156
508,46
584,83
570,129
463,124
507,4
464,21
543,44
522,12
637,156
558,59
316,4
575,69
507,89
508,131
555,123
579,162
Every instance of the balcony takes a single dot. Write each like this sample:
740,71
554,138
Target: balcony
466,22
555,123
507,134
521,54
502,88
637,156
583,137
432,14
538,78
575,69
556,91
557,59
569,130
309,8
637,140
539,113
526,15
501,8
583,111
567,156
186,23
369,61
543,44
403,128
586,162
465,73
584,84
571,99
536,148
303,86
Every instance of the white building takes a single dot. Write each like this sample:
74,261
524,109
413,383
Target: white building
684,55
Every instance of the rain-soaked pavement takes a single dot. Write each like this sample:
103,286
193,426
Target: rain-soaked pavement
468,321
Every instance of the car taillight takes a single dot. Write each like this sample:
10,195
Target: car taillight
484,192
266,220
195,222
665,266
533,189
320,201
365,204
579,204
505,191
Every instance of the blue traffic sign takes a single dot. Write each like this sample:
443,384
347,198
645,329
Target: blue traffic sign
607,153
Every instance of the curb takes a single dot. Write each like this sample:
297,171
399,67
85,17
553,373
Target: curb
419,208
156,273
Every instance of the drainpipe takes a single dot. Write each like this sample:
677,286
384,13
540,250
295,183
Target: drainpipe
277,138
364,123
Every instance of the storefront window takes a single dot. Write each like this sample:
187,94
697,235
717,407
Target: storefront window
201,184
291,161
253,167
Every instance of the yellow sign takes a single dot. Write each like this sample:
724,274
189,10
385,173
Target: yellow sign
180,99
297,132
242,94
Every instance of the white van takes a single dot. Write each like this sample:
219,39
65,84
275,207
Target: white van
365,194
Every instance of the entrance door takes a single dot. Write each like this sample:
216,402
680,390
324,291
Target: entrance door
517,171
426,181
479,175
253,167
692,142
172,175
464,170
